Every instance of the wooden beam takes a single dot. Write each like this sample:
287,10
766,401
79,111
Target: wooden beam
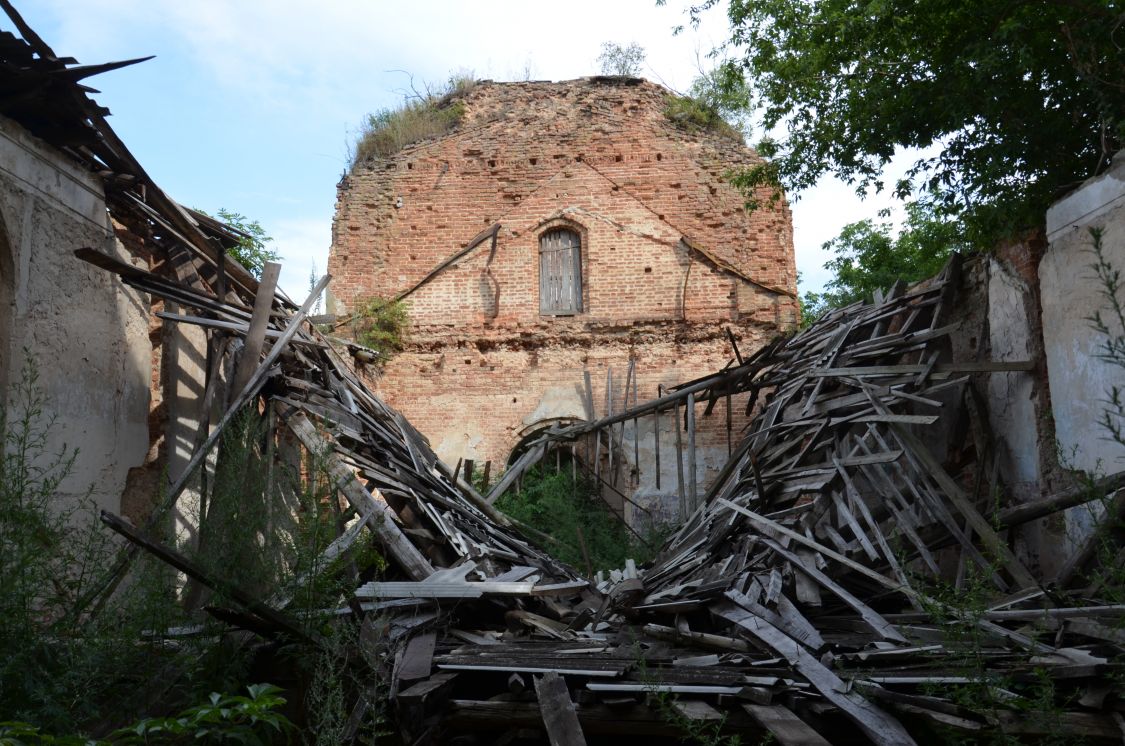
189,568
259,321
787,728
693,494
559,715
383,525
876,724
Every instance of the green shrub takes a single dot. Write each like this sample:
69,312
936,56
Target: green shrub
224,719
380,324
694,114
425,116
58,671
716,99
559,505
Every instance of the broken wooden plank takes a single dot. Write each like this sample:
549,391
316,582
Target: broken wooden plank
248,358
559,716
189,568
384,527
876,724
417,658
787,728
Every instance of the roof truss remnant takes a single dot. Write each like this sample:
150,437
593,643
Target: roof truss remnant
816,593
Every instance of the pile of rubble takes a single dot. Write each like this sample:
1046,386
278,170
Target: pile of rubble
848,578
839,583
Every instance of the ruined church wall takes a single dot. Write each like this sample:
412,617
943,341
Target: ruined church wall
1080,380
482,368
399,217
477,402
87,336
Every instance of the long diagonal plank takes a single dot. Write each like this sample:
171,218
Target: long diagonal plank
383,523
876,724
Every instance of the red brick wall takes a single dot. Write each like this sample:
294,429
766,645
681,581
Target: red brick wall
602,159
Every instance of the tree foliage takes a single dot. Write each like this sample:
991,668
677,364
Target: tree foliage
618,60
1023,99
252,250
868,257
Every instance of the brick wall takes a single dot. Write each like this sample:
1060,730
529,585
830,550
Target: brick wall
597,156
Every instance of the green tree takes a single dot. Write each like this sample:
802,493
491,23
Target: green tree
252,250
618,60
1023,99
868,257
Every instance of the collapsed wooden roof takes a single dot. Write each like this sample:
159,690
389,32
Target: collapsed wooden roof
813,594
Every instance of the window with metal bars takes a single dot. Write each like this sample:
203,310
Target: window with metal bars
560,273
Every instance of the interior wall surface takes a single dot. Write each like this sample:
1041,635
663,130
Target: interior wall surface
83,334
1081,381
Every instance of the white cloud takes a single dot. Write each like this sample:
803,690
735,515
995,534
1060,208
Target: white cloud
305,74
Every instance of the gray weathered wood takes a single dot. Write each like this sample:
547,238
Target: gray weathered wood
876,724
256,334
787,728
559,716
693,494
384,527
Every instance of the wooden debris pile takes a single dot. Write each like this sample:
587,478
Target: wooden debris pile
851,576
838,583
846,579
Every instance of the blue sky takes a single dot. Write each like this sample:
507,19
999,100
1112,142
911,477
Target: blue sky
250,104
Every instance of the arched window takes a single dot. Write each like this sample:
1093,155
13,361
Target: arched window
560,273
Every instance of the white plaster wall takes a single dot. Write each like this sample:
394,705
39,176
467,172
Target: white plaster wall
87,334
663,503
1078,380
185,357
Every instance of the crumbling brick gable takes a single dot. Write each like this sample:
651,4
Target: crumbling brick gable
596,156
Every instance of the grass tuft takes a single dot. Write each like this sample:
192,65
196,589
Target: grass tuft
420,117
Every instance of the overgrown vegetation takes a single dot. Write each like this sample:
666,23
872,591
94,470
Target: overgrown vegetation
56,671
715,102
870,257
1109,322
569,510
1108,577
242,719
999,697
616,59
262,526
380,323
421,116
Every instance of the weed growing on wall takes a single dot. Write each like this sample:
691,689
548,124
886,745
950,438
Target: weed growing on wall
422,115
380,323
1109,322
715,100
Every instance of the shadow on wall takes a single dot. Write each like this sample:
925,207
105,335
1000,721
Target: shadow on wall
7,290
